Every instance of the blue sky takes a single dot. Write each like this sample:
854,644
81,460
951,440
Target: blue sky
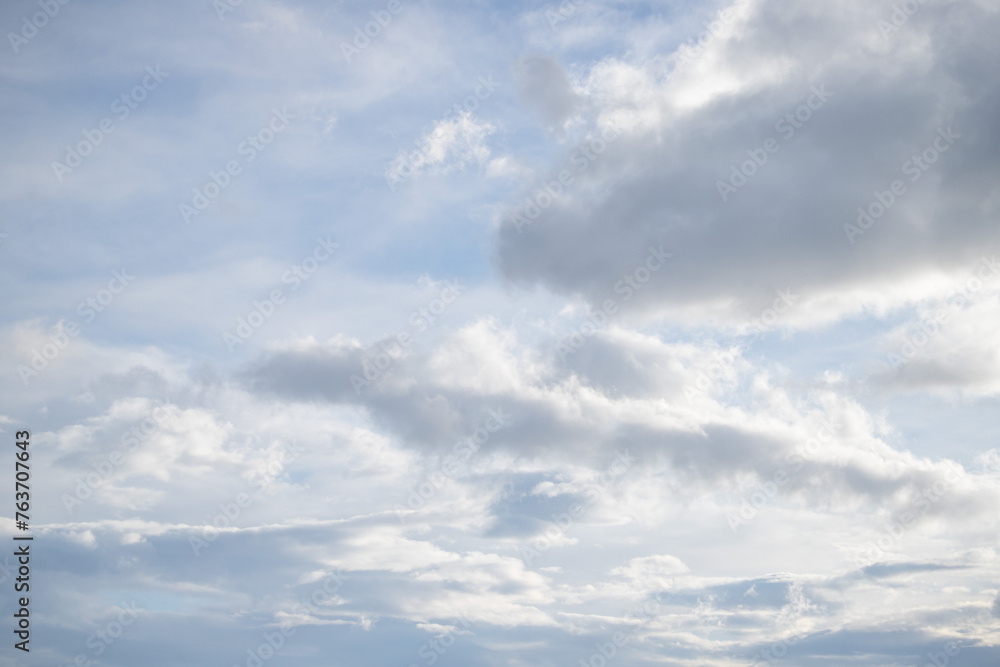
323,370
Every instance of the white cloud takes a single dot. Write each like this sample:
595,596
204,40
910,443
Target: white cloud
721,460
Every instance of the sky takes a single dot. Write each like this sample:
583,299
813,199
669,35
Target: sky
511,334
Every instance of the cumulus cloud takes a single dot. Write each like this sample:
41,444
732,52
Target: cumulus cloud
688,129
453,143
678,336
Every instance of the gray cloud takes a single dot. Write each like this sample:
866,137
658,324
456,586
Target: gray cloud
545,89
784,227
